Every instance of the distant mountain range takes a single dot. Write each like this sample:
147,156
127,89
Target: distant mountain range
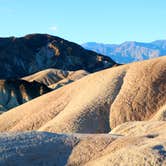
129,51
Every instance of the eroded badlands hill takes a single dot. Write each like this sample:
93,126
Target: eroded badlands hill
16,92
130,147
23,56
96,103
127,104
55,78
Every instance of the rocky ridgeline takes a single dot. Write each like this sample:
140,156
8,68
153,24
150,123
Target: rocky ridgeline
26,55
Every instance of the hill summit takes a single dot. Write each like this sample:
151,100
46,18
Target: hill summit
35,52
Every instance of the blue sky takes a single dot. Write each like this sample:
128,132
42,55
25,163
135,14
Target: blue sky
104,21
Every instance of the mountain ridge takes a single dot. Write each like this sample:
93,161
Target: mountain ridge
26,55
129,51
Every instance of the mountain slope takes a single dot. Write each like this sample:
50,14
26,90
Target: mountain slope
96,103
128,52
23,56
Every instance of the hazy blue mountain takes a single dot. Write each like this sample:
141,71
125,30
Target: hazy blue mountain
129,51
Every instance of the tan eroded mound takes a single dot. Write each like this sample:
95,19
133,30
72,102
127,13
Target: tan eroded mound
137,128
43,148
70,108
141,143
117,95
50,77
39,148
161,114
142,93
73,76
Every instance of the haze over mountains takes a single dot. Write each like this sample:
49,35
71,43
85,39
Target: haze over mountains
82,108
128,52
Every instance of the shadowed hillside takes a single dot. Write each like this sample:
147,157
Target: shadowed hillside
17,92
26,55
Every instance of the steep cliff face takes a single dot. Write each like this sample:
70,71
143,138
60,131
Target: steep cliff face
26,55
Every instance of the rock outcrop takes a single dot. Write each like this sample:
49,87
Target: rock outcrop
16,92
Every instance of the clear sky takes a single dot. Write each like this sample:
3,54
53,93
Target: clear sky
104,21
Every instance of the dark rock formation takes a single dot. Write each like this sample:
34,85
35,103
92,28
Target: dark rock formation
26,55
16,92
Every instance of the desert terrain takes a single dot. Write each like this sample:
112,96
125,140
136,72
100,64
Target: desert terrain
66,105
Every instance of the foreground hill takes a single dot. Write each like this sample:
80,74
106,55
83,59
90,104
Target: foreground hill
130,147
23,56
128,52
96,103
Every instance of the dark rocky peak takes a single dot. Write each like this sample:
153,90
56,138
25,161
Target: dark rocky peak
29,54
